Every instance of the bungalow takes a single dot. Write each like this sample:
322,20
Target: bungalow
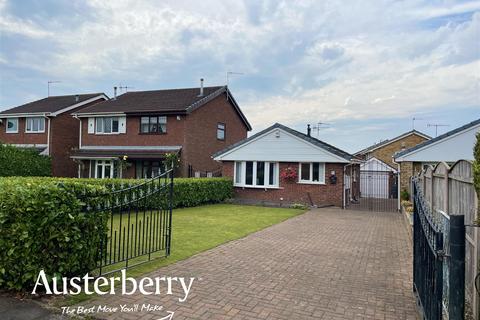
449,147
280,165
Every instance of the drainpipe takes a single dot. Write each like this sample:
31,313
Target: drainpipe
79,143
48,132
398,183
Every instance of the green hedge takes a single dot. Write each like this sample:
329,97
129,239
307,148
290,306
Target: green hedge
42,226
476,171
24,162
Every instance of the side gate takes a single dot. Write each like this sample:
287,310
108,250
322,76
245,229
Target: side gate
438,261
139,223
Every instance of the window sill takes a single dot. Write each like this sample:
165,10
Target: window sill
152,133
311,182
30,132
106,134
256,187
7,132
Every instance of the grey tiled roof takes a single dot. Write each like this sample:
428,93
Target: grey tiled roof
51,104
440,137
314,141
385,142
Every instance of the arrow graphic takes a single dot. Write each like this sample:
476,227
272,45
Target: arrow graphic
168,317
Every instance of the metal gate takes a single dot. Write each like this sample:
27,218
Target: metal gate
378,187
438,261
139,223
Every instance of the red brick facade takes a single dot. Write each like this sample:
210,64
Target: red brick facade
64,133
195,132
293,192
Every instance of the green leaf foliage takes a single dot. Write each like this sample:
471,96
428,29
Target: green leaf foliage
23,162
42,225
476,170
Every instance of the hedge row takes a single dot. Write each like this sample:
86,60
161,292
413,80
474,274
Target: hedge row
23,162
42,225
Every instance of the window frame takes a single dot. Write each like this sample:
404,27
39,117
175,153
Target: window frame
157,123
224,130
266,175
6,125
310,180
102,121
103,164
42,120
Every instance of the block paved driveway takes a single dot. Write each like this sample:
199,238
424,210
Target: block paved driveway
324,264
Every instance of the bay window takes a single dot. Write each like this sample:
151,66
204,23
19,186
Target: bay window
35,125
258,174
312,172
12,125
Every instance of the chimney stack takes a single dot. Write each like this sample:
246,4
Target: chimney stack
114,93
201,88
309,130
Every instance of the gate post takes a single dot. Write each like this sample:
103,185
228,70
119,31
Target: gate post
456,305
170,204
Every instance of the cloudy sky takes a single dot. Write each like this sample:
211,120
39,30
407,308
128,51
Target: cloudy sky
364,67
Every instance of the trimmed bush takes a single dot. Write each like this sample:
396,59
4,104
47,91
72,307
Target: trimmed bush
42,225
23,162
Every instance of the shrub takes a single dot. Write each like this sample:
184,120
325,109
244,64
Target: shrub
404,195
23,162
42,227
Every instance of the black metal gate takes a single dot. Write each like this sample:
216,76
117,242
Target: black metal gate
139,223
438,261
378,188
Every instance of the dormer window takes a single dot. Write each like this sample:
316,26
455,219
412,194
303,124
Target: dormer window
12,125
35,125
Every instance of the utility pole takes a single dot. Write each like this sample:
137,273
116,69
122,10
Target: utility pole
48,86
436,125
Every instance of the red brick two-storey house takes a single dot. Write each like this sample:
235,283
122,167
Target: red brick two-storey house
143,126
47,125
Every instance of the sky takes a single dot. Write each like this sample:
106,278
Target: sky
365,68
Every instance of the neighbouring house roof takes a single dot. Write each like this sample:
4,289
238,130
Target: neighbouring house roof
133,152
53,104
340,154
388,141
170,101
452,146
374,164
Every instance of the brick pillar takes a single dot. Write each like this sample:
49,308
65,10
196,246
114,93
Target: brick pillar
406,172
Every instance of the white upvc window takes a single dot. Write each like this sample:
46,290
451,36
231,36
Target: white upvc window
256,174
35,125
104,169
12,125
311,172
106,125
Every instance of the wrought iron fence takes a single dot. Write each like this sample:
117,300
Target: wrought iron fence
139,223
438,261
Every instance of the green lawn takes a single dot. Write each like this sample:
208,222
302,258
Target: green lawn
201,228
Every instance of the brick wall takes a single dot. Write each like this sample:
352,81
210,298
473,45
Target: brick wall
22,137
201,136
386,152
292,192
195,132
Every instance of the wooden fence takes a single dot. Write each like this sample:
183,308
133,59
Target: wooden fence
449,190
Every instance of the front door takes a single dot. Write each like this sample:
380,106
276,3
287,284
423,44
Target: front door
104,169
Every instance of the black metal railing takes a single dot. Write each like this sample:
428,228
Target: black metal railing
438,257
139,223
